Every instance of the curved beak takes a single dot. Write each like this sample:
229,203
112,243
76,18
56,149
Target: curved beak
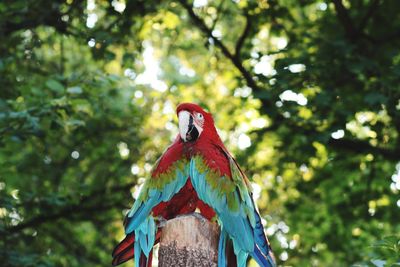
187,127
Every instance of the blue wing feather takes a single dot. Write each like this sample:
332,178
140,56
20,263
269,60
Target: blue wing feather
137,252
242,225
223,238
140,221
262,249
139,213
168,190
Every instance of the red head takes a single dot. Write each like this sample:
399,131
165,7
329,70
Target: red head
195,122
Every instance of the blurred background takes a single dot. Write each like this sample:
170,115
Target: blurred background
305,94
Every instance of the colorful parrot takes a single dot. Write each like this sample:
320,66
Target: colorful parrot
196,172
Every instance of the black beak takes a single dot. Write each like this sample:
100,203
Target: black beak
192,133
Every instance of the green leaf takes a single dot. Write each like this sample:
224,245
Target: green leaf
375,98
62,101
55,86
75,123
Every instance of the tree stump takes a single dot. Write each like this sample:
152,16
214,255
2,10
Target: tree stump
189,240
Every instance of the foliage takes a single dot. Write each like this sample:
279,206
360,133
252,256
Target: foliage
304,93
384,252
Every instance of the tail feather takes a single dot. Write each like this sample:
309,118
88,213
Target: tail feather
124,251
144,262
259,235
126,255
127,242
262,259
262,250
150,259
222,261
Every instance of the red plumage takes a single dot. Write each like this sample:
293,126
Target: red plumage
186,200
217,158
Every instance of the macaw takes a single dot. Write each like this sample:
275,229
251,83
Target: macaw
196,173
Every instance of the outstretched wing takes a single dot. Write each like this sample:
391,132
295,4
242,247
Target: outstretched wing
168,177
220,183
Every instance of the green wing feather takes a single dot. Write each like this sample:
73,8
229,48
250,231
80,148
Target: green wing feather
230,197
161,187
155,190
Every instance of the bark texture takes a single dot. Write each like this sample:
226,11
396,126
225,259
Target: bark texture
189,240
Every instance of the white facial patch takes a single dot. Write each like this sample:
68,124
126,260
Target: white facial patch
199,121
183,123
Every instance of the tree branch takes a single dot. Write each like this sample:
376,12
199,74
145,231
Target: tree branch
219,8
50,17
243,36
267,103
345,20
73,210
82,252
207,31
360,147
371,10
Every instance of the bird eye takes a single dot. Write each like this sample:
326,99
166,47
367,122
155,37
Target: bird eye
199,116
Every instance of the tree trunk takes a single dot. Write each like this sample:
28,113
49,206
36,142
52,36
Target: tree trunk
189,240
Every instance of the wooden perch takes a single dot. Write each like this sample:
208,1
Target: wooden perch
189,240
